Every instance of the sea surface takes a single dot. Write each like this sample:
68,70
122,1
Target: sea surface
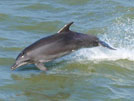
90,74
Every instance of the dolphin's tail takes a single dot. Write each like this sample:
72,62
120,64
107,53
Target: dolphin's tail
102,43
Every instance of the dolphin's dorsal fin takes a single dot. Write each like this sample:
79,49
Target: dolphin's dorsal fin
65,28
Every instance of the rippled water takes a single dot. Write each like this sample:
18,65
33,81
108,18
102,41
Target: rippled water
95,74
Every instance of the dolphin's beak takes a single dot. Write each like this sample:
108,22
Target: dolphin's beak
14,66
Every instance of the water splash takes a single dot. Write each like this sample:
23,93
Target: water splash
120,34
100,54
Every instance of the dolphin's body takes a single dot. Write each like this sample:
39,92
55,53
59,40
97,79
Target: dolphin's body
49,48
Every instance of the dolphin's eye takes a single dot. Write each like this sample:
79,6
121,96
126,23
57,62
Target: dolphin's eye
22,55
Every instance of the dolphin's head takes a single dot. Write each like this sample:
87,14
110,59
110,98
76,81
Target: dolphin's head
21,60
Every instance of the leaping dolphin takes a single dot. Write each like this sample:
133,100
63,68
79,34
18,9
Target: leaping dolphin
57,45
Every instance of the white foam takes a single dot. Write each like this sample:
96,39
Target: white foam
100,54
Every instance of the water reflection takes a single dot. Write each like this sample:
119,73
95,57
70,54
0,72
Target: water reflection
42,86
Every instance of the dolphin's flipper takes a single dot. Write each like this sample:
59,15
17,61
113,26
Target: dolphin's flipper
65,28
104,44
41,66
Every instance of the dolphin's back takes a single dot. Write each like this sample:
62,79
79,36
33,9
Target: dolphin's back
54,46
64,38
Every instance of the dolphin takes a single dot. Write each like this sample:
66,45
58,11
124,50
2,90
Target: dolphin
55,46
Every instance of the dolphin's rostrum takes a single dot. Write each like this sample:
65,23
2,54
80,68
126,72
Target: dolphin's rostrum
52,47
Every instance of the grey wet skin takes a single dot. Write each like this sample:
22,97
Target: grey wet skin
55,46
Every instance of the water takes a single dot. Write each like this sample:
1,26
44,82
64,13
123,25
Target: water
95,74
